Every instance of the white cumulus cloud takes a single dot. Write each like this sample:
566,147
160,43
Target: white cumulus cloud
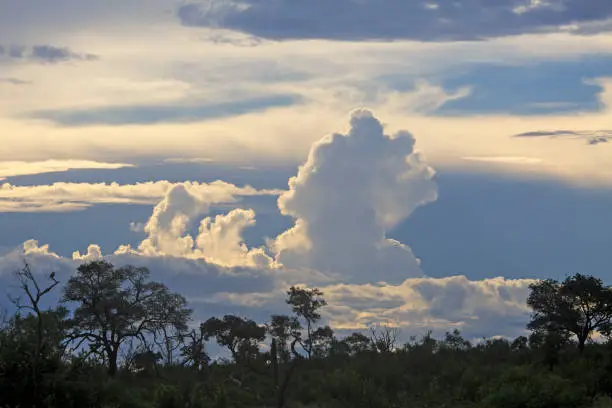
352,189
220,240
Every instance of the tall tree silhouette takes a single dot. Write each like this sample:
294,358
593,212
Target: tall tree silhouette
580,305
115,305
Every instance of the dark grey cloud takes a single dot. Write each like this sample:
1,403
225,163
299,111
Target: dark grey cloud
592,137
547,133
150,114
425,20
47,54
194,278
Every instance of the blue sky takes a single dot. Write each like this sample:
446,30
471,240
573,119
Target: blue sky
367,148
533,89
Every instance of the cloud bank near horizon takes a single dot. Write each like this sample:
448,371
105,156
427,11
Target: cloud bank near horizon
479,308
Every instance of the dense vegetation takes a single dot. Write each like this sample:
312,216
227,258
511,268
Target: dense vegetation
117,339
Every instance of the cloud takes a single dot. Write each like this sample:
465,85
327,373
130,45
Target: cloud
188,160
46,54
22,168
169,113
479,308
492,306
552,133
192,278
351,190
505,159
139,72
592,137
422,97
350,20
14,81
78,196
219,240
42,20
376,181
425,98
487,307
457,298
51,54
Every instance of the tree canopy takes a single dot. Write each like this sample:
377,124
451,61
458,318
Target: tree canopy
579,306
116,305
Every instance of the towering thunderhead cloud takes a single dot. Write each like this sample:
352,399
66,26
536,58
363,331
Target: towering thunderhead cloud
352,190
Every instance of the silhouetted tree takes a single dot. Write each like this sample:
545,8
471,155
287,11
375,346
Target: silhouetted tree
145,361
580,305
322,341
306,303
283,328
520,343
384,337
34,294
454,341
357,343
240,336
32,329
171,317
193,350
549,343
115,305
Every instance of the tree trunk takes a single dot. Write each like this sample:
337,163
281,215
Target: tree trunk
112,362
282,390
274,355
169,347
309,340
582,339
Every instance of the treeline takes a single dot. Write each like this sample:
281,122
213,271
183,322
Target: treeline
119,339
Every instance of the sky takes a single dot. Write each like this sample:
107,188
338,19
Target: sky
421,162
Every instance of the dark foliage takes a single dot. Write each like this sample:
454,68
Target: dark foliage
145,326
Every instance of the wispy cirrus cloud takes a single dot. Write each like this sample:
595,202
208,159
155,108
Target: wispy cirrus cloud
14,81
24,168
504,159
167,113
61,197
592,137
